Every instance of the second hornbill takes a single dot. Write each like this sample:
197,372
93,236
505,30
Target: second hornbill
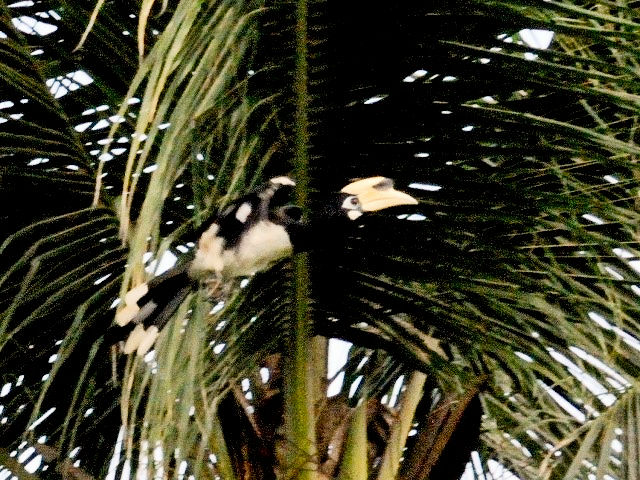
246,237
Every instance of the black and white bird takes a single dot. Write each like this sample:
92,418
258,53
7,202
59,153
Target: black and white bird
248,236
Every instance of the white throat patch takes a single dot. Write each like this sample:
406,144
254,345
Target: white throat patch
354,214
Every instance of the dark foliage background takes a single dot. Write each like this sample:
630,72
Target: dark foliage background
513,285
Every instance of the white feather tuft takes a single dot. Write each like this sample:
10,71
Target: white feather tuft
125,314
136,294
209,254
150,336
243,212
282,181
135,337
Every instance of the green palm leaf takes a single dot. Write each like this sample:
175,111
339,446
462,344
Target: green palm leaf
519,266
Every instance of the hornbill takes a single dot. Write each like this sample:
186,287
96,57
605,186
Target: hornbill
246,237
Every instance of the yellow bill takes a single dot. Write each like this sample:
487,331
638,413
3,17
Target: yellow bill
377,193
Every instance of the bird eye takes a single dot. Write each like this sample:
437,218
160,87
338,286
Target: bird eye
292,212
351,203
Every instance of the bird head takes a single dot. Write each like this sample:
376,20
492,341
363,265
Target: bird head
370,195
329,224
358,197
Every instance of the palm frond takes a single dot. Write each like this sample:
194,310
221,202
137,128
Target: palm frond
518,266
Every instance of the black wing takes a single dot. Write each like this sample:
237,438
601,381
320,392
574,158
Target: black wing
263,203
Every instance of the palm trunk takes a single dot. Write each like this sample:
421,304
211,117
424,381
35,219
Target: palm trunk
299,410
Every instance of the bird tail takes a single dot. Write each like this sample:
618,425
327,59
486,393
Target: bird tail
149,306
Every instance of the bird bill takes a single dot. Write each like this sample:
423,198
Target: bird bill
377,193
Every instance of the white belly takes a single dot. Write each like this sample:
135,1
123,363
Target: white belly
264,244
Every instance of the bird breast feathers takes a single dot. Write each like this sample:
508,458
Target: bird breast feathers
264,244
260,247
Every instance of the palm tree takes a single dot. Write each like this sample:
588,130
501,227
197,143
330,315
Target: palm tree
498,317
